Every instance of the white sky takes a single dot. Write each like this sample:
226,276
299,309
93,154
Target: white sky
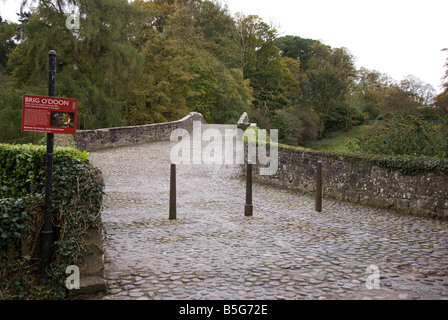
396,37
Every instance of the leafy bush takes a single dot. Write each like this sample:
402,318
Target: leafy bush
77,198
403,136
297,126
371,109
15,216
412,165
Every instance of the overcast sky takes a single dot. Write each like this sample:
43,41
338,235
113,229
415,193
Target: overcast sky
396,37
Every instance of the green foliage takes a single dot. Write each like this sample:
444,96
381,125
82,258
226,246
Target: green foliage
371,110
77,198
410,165
14,222
337,141
273,77
142,62
11,115
326,76
441,101
296,48
185,69
296,126
234,96
403,136
380,94
87,59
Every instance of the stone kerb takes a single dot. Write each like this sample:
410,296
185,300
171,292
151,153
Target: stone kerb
91,140
355,179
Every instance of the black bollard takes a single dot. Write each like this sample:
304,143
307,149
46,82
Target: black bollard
319,187
173,210
249,208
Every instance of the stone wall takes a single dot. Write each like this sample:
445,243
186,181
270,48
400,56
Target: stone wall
92,278
91,140
355,179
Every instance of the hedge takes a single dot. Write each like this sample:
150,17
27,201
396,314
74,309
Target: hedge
77,199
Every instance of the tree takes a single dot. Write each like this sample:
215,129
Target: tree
296,48
326,86
441,101
97,63
401,102
186,69
422,93
234,96
7,43
272,76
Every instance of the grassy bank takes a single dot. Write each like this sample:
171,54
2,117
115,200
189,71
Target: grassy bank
337,142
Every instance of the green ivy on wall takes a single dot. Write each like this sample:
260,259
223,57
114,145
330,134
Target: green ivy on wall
77,199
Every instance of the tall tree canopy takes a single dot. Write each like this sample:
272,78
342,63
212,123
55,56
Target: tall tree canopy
139,62
442,98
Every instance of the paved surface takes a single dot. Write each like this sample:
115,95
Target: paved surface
285,251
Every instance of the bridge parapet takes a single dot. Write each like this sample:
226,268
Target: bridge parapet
243,122
91,140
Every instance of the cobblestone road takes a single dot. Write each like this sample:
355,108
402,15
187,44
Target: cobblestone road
285,251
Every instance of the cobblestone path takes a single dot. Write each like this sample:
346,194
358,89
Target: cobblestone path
285,251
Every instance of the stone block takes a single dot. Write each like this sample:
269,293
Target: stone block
89,286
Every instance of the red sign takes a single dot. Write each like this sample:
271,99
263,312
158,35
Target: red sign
49,114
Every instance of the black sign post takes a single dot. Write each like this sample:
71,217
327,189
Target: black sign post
47,230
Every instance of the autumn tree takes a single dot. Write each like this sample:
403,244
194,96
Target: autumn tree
96,64
296,48
327,84
421,92
189,64
441,101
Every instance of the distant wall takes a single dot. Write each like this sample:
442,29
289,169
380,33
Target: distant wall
118,137
355,179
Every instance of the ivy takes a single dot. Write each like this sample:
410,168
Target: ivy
411,165
406,165
77,199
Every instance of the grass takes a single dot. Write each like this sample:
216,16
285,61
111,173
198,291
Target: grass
254,140
337,142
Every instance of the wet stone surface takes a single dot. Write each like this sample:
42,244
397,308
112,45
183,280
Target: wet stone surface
285,251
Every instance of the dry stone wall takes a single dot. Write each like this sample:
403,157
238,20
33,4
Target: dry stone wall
123,136
356,179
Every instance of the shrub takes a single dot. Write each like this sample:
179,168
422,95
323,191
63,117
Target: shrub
372,110
77,198
403,136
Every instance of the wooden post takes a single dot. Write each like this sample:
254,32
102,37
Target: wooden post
319,187
173,211
249,208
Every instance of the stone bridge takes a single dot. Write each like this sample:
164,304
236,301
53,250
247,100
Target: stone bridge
285,251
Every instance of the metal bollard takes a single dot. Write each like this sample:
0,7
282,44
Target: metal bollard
47,237
249,208
173,209
319,187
